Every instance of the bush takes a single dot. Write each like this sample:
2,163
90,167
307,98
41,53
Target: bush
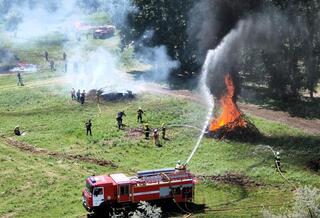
307,204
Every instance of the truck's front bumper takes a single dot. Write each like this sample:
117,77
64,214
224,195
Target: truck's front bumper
84,203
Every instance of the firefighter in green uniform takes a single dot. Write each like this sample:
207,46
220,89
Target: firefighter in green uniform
146,131
139,117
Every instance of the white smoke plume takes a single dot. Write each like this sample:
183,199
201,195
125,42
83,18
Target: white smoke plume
87,68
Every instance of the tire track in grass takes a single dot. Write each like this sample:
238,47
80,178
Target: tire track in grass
39,151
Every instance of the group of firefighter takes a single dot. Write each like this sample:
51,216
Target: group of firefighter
78,96
147,130
52,64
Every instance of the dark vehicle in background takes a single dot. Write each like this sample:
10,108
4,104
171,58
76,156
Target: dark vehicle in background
104,32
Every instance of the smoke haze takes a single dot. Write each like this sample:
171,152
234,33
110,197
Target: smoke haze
87,68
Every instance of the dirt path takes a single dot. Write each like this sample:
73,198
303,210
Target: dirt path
308,126
34,150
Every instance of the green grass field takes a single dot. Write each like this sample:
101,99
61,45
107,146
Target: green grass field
38,185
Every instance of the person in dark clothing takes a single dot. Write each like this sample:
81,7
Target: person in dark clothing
83,96
73,94
147,131
46,56
64,56
52,68
119,119
78,95
139,117
19,79
16,131
88,127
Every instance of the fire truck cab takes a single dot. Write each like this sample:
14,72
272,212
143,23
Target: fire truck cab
118,190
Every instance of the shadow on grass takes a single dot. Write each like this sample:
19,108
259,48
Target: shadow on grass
298,150
304,107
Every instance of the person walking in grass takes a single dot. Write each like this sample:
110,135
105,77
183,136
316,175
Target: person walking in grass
119,119
88,127
19,79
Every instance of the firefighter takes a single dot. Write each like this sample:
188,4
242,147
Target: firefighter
52,68
277,161
78,95
83,97
88,127
163,131
147,131
180,166
19,79
156,138
64,56
73,94
119,119
16,131
46,56
139,117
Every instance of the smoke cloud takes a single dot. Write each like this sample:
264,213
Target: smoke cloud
249,27
88,67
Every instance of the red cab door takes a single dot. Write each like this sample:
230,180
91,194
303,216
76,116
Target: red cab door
124,192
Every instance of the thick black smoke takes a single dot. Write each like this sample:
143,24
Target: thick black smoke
229,28
211,20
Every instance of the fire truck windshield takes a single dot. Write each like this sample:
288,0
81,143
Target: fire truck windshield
89,188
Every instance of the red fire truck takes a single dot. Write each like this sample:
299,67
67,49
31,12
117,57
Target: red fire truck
119,190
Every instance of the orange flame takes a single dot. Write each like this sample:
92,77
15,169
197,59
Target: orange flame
230,111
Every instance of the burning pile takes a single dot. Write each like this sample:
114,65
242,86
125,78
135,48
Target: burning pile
232,123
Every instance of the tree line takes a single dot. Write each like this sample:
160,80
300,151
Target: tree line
189,28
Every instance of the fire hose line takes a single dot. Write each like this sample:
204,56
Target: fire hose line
184,211
245,208
99,108
187,126
279,170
